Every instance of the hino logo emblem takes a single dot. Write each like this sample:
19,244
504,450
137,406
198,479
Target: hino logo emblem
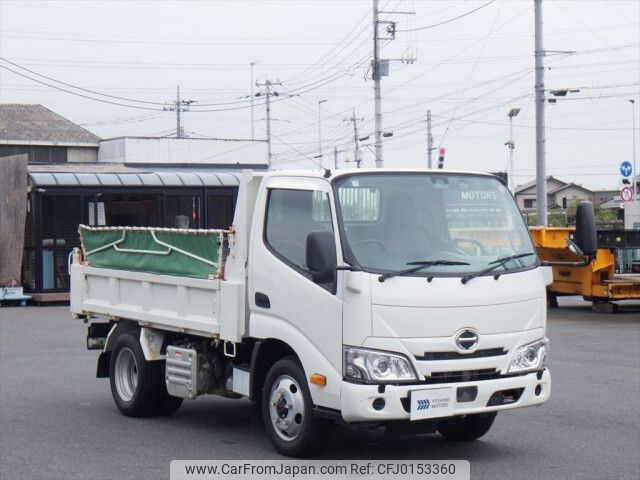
467,339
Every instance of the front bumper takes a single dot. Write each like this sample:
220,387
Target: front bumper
357,399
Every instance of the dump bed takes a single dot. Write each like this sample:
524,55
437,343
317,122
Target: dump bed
165,278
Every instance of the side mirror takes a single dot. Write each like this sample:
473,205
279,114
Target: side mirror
321,256
586,237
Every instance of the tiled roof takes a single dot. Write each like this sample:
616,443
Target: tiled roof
520,188
35,123
569,185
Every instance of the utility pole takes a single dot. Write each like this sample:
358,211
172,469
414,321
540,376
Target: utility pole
179,105
335,158
375,70
379,69
635,159
253,127
541,174
267,88
178,127
320,102
430,147
356,144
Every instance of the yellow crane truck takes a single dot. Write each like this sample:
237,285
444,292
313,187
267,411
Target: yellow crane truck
590,275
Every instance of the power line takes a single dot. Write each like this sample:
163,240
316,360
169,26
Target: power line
473,70
114,40
244,102
79,94
459,52
79,88
122,120
96,92
317,162
586,27
299,90
318,62
448,21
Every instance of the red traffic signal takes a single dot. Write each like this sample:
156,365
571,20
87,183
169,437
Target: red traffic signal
441,153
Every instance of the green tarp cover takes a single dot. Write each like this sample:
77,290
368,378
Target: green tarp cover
202,244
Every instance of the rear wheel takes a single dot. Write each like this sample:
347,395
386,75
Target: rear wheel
287,410
467,428
137,386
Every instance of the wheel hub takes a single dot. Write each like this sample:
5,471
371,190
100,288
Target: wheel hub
281,407
126,374
286,407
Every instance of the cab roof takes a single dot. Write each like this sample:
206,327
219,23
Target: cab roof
333,174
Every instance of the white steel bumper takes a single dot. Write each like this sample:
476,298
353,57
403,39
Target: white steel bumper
357,399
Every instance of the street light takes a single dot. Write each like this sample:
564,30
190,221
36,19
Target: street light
511,144
320,102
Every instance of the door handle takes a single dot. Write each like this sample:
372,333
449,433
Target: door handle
262,300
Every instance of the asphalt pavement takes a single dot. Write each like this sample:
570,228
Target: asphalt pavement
57,421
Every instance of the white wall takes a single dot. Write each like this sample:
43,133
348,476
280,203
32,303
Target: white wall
182,150
82,155
631,215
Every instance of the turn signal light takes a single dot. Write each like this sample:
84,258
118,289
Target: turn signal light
318,379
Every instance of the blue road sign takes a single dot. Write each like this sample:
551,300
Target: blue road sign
626,169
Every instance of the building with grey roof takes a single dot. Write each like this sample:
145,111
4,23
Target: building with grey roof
44,136
560,194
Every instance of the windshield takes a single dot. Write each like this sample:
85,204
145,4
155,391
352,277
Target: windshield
464,222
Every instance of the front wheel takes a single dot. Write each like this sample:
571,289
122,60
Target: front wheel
287,410
467,428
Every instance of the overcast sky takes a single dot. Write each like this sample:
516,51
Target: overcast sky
469,72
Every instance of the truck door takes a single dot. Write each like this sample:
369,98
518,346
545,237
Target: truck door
282,295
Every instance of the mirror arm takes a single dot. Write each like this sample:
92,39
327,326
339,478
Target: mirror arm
586,259
571,243
349,268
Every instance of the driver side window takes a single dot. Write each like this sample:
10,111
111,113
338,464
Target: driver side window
291,216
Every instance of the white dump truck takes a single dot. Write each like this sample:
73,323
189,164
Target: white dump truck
365,296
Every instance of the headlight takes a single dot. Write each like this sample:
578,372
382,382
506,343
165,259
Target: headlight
530,357
374,366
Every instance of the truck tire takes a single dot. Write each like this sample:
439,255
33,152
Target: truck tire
287,410
137,386
467,428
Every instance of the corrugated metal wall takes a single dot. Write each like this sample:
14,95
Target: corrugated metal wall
182,150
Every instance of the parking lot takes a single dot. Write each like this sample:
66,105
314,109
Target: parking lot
58,421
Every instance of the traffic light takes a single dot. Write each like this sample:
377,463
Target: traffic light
441,158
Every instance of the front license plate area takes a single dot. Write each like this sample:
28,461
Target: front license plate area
431,403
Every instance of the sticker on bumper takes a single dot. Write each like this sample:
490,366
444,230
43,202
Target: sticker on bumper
431,403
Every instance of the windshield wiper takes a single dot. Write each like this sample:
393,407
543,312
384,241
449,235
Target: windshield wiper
419,265
495,264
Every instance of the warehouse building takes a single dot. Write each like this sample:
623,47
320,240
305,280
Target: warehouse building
74,177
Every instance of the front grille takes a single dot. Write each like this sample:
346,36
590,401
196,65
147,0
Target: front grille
487,352
464,376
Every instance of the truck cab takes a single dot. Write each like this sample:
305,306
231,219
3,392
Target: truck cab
404,323
363,296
